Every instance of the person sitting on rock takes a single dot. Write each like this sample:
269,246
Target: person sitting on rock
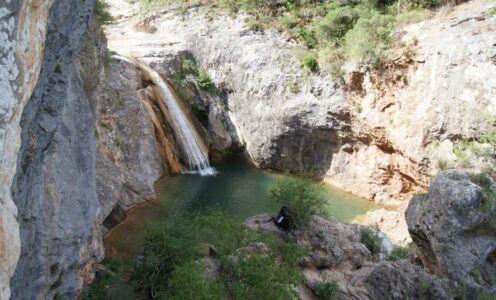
282,219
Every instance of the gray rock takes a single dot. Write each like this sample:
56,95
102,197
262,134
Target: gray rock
54,188
402,280
336,254
454,228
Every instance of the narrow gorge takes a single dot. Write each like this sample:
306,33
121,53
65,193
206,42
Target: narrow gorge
117,115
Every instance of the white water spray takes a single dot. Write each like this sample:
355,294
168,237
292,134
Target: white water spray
189,141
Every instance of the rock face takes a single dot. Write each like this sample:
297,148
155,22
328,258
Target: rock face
22,39
454,228
336,254
54,188
83,142
382,151
128,157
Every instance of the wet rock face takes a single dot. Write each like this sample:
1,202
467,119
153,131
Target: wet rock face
54,188
454,228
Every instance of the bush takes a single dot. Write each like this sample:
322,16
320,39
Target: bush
399,253
442,164
171,266
337,23
108,283
326,290
189,67
101,13
301,198
371,241
205,82
370,38
310,62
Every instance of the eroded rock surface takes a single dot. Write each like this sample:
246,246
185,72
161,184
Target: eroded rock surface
454,228
54,188
385,151
336,254
128,156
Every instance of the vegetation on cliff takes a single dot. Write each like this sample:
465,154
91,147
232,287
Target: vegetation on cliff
331,32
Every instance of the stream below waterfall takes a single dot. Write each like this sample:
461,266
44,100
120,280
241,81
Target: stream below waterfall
238,188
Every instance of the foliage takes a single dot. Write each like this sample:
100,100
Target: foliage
370,37
359,29
371,240
353,28
488,193
443,164
310,62
187,282
205,82
189,67
171,266
399,253
108,283
326,290
101,12
301,198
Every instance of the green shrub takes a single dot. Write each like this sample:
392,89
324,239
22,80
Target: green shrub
336,24
370,38
308,38
205,82
488,194
170,266
187,282
101,12
310,62
189,67
326,290
371,240
301,198
167,245
442,164
399,253
108,283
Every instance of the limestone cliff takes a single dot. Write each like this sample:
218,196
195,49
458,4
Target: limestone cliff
379,137
22,39
78,147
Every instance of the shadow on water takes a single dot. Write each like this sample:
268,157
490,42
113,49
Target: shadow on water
238,188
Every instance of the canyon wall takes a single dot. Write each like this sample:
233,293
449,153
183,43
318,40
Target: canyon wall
54,188
22,40
377,136
77,147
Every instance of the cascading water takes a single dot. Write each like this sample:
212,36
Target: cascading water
189,141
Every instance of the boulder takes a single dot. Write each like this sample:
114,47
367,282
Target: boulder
453,226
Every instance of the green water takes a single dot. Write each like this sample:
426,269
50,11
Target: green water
238,188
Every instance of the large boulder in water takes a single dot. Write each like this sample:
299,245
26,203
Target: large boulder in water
454,227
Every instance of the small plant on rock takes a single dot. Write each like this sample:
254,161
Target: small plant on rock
301,198
310,62
326,290
371,240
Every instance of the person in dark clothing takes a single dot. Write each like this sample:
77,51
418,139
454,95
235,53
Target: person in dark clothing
282,220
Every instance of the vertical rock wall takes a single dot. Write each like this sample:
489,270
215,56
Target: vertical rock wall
22,40
54,188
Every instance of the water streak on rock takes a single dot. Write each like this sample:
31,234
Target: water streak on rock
192,146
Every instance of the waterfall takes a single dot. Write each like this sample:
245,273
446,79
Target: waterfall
187,137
